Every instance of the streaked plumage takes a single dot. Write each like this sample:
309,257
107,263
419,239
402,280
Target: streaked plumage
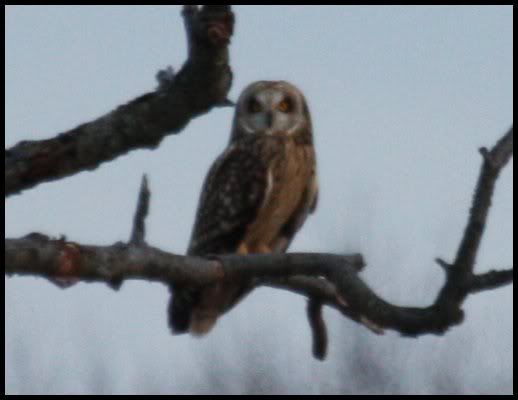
256,195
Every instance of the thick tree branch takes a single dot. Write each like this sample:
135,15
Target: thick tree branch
36,254
202,83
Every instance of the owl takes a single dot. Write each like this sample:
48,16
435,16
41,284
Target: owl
255,198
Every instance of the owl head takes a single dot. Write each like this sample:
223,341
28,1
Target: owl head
273,108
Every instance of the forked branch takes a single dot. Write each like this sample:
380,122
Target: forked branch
302,273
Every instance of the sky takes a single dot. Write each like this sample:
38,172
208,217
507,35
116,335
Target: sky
401,99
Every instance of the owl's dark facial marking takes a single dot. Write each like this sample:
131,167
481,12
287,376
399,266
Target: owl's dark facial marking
252,105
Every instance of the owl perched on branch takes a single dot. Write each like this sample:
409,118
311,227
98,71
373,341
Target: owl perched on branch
256,196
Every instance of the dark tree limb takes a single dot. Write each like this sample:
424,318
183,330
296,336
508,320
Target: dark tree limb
201,84
460,274
39,255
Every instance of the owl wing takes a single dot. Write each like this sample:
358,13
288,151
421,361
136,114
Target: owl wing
232,194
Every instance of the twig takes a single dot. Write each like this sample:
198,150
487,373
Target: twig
490,280
318,328
139,220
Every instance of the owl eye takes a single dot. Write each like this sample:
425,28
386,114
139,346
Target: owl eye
285,106
253,106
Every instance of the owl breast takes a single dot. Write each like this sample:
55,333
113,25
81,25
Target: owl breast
290,169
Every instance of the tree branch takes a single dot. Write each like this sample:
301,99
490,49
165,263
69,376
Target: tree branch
318,328
322,290
460,273
202,83
37,254
490,280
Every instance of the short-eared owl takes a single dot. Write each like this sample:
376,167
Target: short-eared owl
255,197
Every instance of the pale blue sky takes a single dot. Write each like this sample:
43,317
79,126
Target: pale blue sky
401,99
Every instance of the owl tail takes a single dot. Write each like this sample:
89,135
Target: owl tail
179,311
184,316
202,322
